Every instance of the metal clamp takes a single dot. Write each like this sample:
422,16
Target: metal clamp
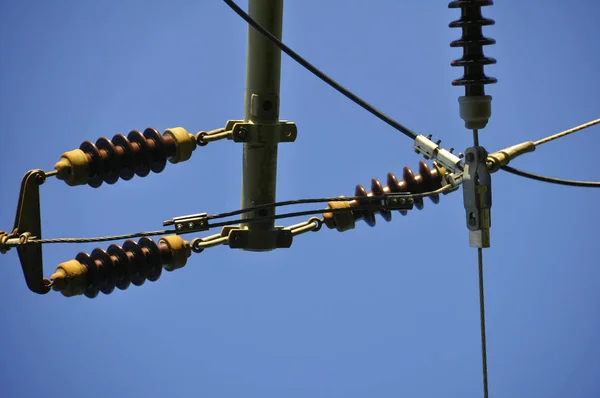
432,150
190,223
252,133
398,201
477,196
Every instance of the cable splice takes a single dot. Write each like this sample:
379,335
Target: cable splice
426,180
134,262
123,157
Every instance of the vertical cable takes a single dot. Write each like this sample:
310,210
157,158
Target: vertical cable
482,319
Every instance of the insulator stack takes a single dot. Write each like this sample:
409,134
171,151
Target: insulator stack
472,42
426,180
133,263
123,157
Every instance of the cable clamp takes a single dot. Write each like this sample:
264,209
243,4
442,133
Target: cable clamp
432,150
477,196
398,201
190,223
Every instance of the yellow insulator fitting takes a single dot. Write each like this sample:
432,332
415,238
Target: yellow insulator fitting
180,251
185,144
73,168
69,278
343,220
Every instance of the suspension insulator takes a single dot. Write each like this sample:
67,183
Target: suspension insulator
124,157
103,270
472,42
426,181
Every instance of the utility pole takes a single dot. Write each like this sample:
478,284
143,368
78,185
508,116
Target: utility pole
264,132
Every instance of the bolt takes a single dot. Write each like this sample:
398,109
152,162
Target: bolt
179,227
402,201
190,225
242,133
451,150
438,142
411,200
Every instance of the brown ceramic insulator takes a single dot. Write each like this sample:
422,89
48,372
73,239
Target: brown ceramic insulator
124,157
426,181
118,266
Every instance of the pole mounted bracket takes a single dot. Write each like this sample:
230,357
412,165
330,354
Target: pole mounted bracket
477,196
256,133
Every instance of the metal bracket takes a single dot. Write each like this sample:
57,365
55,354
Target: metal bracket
432,150
190,223
28,224
241,238
399,201
477,196
251,133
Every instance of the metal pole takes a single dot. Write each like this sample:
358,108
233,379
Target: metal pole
261,107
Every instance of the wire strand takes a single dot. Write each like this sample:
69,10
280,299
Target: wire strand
566,132
367,199
551,180
315,71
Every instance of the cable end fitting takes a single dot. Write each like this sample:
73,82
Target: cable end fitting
73,168
341,220
475,111
185,144
503,157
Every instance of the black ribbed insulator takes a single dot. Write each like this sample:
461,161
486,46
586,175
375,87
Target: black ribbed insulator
119,266
472,42
124,157
426,181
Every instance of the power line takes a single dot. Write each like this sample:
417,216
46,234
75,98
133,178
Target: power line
315,71
551,180
482,323
566,132
481,302
368,203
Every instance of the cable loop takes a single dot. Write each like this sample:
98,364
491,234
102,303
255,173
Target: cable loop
196,248
318,223
200,139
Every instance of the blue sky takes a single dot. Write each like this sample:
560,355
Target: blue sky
385,311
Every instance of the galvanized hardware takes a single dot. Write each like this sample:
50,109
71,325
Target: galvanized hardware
190,223
199,244
204,137
253,133
28,224
477,196
313,224
432,150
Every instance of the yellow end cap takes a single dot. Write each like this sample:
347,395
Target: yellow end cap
73,168
185,144
180,251
69,278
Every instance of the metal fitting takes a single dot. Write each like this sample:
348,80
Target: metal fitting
432,150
